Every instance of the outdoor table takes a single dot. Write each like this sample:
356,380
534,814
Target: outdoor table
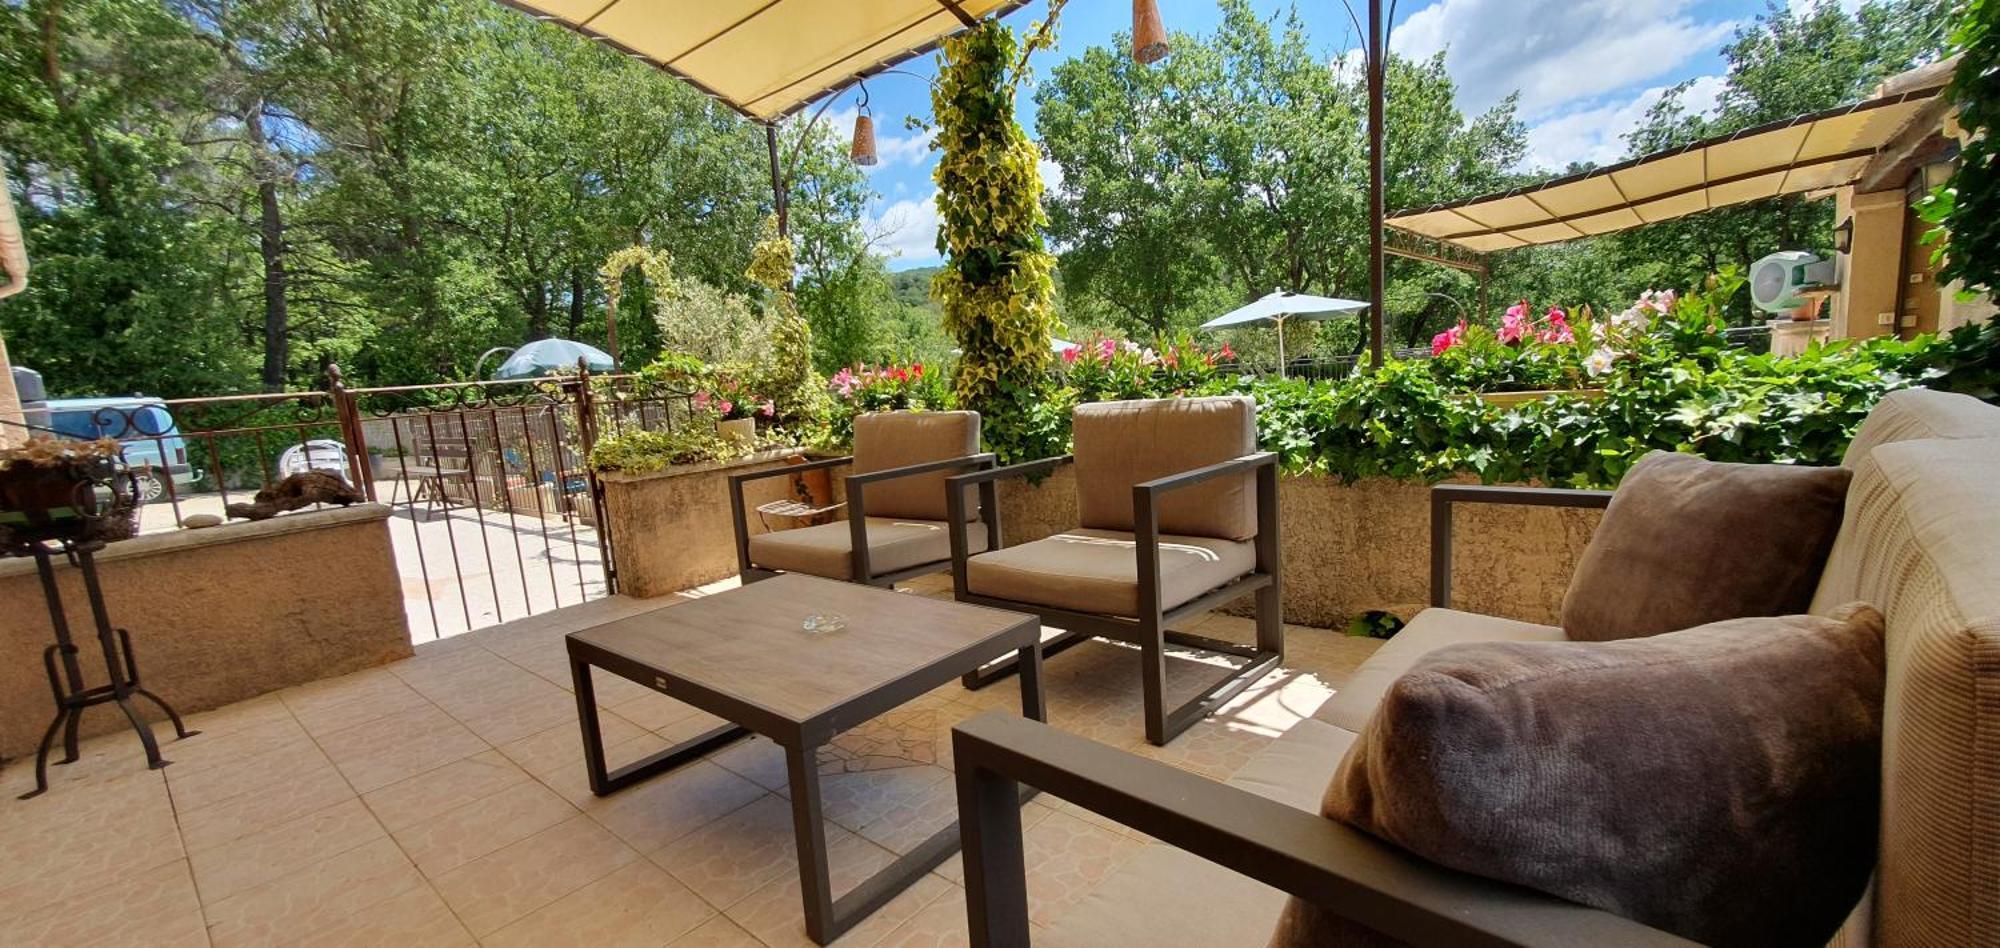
744,655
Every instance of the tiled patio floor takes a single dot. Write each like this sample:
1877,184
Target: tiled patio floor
441,801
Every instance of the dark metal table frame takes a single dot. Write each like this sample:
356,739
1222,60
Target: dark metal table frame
827,917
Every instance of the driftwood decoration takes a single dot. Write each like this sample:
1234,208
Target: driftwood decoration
297,491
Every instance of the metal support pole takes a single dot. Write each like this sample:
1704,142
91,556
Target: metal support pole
1378,63
779,200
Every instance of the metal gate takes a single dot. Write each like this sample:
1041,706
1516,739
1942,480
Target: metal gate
496,514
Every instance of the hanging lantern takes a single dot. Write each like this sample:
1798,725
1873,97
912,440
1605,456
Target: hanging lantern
863,150
1149,38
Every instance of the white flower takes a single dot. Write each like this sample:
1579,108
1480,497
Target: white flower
1599,361
1634,319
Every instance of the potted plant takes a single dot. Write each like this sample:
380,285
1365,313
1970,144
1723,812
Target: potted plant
738,410
49,489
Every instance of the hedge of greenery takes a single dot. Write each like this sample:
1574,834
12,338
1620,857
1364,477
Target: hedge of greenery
1660,376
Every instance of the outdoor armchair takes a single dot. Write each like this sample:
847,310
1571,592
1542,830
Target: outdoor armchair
1179,516
895,527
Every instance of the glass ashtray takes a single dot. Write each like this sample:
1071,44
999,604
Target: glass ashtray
823,623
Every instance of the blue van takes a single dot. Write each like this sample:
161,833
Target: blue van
154,448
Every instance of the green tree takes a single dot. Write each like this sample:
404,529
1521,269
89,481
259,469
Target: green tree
1237,166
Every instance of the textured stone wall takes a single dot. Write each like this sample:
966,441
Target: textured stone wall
217,615
672,530
1349,548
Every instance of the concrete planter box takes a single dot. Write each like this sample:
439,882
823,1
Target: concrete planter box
671,529
1349,548
217,615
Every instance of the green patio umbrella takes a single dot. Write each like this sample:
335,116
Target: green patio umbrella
549,356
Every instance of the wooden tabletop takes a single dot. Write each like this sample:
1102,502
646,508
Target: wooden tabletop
749,642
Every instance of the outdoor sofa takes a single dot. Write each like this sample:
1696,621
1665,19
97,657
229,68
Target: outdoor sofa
895,527
1920,540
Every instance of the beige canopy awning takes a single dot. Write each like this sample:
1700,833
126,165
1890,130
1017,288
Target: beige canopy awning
1809,153
767,58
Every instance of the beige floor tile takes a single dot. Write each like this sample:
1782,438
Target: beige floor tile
860,799
268,729
718,932
416,919
561,745
526,710
573,784
260,809
433,793
483,825
105,802
775,914
494,890
728,859
197,788
1066,859
401,745
52,864
638,906
323,895
652,710
690,727
758,759
243,864
379,695
941,924
672,805
157,907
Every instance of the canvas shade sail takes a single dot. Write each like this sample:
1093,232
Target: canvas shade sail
767,58
1804,154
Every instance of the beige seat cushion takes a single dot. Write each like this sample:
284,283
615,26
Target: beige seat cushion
1921,540
1351,706
893,545
1097,571
885,440
1164,896
1917,414
1121,444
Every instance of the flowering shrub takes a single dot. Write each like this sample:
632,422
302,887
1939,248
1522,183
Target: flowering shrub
1103,369
863,388
735,399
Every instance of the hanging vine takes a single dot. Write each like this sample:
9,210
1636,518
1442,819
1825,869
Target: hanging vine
656,265
997,287
789,378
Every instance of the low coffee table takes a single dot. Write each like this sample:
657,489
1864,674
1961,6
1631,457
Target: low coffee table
744,655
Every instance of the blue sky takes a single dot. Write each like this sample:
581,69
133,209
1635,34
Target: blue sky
1586,69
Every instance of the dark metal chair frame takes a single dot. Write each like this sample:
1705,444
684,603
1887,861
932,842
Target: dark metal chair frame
1327,863
857,516
1149,631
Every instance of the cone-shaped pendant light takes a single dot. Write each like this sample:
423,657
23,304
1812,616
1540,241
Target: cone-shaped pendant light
1149,38
863,151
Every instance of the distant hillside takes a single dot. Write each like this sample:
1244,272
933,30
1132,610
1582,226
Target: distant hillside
913,287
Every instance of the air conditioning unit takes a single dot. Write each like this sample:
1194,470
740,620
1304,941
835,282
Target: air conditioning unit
1776,280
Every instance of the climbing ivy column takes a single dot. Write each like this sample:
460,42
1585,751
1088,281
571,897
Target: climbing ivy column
997,286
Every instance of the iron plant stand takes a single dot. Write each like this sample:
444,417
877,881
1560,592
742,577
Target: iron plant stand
72,696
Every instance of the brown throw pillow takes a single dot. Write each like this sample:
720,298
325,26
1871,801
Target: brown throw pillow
1719,783
1688,541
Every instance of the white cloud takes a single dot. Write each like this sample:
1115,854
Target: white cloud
1052,175
1597,134
906,229
1555,52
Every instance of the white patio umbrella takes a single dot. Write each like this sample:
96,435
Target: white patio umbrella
1281,305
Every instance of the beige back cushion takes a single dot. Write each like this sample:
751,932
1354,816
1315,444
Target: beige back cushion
1120,444
901,438
1921,541
1916,414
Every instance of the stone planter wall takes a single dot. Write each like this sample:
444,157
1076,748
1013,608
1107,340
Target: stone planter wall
1349,548
671,530
217,615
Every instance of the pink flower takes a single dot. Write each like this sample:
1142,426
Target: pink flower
701,400
726,406
1106,349
770,409
1442,342
916,370
1558,330
1069,355
1227,352
1514,325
